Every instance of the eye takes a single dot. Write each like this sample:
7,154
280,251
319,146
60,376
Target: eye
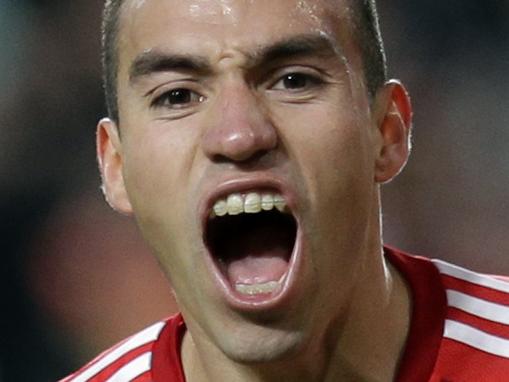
178,98
297,81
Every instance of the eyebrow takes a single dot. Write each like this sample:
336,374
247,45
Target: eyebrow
297,46
154,61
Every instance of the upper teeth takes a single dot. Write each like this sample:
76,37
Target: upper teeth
250,203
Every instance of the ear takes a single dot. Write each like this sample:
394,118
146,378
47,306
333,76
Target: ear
109,156
393,114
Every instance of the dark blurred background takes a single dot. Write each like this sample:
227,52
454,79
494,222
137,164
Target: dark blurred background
77,277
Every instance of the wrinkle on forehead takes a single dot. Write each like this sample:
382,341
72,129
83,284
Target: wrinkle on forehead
238,14
325,15
305,7
214,12
234,11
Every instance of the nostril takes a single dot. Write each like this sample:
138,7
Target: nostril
253,159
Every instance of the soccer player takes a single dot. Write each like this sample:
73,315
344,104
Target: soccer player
249,139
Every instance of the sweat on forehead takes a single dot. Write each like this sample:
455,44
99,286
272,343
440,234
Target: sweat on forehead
365,32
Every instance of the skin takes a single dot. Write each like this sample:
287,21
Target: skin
347,317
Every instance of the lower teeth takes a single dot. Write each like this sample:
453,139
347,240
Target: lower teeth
255,289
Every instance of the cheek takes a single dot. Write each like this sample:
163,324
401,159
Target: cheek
156,172
339,180
331,151
330,148
149,171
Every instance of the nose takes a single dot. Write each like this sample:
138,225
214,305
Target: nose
239,129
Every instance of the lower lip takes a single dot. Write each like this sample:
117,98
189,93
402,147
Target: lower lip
262,301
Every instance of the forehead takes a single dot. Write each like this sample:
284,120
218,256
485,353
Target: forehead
216,25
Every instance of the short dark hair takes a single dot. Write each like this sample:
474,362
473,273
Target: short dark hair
110,25
366,32
368,36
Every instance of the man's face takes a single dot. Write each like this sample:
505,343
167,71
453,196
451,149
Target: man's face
232,102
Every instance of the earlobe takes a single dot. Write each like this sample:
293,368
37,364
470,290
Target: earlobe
109,156
394,120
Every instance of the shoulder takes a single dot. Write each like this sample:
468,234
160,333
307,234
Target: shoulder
129,360
469,314
478,308
475,345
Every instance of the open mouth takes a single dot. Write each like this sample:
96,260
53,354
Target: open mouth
251,239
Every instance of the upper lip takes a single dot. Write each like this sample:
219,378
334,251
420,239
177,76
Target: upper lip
242,185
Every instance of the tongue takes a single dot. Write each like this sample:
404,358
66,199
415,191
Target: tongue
256,270
259,254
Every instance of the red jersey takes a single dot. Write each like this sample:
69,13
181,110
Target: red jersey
459,332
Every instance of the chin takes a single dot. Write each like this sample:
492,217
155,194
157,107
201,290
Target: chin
257,348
